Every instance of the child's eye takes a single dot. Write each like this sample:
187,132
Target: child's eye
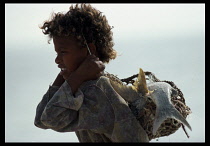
63,52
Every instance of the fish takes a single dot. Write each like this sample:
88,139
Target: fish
140,84
160,93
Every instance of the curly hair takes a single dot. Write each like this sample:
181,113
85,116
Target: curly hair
83,21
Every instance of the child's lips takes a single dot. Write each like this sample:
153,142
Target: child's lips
63,70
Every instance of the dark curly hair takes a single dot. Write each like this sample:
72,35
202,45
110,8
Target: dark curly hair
83,20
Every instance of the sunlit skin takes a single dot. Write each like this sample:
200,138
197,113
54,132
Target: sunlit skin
78,65
69,54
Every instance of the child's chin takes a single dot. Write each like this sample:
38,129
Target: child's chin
62,73
65,77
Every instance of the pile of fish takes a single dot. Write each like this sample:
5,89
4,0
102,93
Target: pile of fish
152,104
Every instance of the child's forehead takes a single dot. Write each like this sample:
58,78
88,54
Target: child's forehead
64,39
65,42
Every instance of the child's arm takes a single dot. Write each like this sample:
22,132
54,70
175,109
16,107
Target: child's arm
59,109
41,106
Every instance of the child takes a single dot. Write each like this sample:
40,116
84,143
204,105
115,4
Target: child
81,99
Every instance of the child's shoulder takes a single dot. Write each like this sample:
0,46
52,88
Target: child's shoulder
103,83
100,82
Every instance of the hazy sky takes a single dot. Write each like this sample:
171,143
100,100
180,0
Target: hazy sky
167,39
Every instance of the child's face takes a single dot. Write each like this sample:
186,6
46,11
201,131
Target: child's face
69,54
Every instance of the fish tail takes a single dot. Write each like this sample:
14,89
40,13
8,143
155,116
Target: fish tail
162,114
180,118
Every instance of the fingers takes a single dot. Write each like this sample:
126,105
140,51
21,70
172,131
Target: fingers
99,74
101,65
94,67
95,59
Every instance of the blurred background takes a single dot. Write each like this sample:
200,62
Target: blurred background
166,39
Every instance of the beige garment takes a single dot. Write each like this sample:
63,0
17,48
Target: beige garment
97,113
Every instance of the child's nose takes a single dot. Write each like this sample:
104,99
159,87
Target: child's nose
58,59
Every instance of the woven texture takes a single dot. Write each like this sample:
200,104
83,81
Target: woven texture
147,114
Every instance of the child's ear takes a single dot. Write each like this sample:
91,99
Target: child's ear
92,48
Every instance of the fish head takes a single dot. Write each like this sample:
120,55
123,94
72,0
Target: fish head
140,85
161,92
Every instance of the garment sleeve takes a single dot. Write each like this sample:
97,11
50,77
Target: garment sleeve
40,108
60,110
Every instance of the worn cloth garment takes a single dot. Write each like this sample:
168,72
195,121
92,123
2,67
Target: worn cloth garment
96,113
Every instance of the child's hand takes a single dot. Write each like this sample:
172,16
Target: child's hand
91,68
